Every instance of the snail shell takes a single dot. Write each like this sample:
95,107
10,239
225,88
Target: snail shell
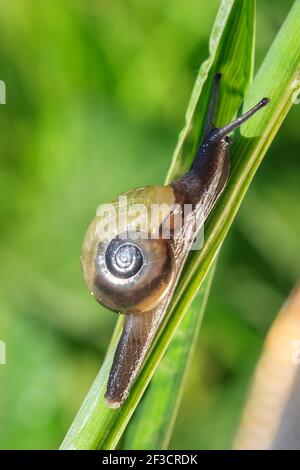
125,268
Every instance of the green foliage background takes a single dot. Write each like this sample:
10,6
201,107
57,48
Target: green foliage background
96,95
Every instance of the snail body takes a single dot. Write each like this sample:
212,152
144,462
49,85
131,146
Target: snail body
132,267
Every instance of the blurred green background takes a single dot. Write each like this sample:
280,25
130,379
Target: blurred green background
96,95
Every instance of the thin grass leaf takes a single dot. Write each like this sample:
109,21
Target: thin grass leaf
96,426
233,53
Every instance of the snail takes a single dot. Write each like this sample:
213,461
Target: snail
132,267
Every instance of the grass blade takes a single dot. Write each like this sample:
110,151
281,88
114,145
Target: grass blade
162,397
